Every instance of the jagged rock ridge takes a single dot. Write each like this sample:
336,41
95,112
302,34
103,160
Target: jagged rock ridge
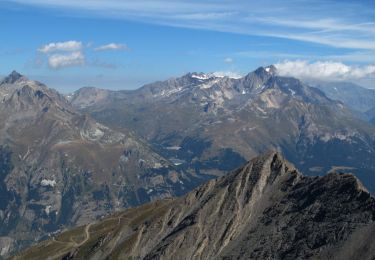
264,210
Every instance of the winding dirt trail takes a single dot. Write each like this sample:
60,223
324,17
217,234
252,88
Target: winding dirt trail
87,228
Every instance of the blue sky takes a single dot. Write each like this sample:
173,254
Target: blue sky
124,44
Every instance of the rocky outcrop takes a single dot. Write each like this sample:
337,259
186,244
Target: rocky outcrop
263,210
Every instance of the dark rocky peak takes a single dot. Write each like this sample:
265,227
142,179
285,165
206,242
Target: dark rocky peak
266,168
259,174
261,74
254,81
266,71
285,83
19,87
12,78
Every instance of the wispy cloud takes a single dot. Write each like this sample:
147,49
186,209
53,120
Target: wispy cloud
112,47
339,24
324,25
328,70
337,41
61,46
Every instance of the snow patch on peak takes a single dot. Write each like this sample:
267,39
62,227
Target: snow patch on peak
202,76
216,74
209,84
167,93
47,210
46,182
271,69
69,96
340,136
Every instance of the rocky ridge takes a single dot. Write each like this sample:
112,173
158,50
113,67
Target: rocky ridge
263,210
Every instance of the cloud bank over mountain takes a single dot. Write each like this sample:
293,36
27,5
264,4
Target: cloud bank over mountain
324,70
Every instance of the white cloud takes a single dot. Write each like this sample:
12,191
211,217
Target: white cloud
63,54
68,46
230,74
326,24
112,47
329,23
71,53
57,61
328,70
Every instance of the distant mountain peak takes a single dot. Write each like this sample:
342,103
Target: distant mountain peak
269,70
12,78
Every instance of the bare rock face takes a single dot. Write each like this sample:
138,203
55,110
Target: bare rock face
264,210
60,168
12,78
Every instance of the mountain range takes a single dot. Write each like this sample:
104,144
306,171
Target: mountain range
70,160
60,168
263,210
209,124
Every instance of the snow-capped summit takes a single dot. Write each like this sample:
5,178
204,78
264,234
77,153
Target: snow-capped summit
271,69
202,76
266,71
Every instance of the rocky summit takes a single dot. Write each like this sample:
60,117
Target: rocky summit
263,210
